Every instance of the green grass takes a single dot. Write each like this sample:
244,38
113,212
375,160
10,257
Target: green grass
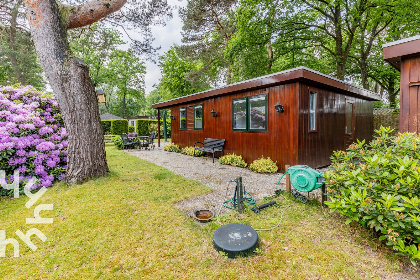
125,226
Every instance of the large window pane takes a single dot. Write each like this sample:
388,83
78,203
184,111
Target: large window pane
198,117
258,112
312,111
239,114
182,118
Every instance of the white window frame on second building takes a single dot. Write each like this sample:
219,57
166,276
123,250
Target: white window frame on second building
313,106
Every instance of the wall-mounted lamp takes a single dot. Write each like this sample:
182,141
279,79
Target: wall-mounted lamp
213,113
279,108
172,117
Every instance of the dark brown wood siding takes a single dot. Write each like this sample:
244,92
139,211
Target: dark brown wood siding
287,139
279,142
315,148
409,98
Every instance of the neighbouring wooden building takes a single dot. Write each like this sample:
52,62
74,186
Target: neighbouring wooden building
133,120
298,116
404,55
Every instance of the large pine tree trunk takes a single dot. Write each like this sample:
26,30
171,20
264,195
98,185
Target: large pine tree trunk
73,88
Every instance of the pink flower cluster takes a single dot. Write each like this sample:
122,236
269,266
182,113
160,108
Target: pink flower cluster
33,139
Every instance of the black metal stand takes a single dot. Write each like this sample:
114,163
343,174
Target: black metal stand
324,194
239,194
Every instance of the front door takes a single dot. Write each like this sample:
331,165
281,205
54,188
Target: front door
349,125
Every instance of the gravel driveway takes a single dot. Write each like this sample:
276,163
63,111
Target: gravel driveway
213,175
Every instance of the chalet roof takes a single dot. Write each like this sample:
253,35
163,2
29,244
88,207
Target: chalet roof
108,116
284,77
395,50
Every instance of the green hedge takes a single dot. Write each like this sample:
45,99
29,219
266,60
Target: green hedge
131,128
145,127
119,126
106,126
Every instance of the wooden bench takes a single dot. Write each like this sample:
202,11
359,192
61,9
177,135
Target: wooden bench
211,145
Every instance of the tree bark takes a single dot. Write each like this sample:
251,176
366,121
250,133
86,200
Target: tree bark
91,12
73,89
270,57
124,94
269,47
363,70
340,62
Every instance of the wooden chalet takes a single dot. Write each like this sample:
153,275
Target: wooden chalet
404,55
298,116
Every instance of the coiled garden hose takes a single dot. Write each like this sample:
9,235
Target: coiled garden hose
247,197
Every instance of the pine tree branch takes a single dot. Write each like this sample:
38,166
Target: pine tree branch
90,12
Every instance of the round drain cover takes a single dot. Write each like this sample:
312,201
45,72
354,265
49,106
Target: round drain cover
235,239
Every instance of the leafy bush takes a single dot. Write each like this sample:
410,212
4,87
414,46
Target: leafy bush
190,152
154,128
232,159
118,142
172,148
119,127
377,184
33,139
106,126
263,165
131,128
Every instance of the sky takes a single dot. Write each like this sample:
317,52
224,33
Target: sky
165,37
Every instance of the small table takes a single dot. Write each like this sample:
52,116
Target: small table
141,140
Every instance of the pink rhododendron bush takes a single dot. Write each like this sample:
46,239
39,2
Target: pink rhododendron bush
33,139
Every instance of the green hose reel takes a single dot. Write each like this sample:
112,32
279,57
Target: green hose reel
304,179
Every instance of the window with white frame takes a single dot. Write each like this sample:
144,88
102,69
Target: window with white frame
198,117
312,111
182,118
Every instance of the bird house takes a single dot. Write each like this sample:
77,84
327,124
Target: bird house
101,96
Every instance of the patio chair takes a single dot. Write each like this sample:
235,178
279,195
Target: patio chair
149,143
127,142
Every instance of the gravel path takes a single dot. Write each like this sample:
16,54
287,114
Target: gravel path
213,175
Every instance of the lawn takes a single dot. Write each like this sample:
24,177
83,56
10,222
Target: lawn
125,226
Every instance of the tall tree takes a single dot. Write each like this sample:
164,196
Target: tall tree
207,30
69,76
153,97
176,78
94,45
19,58
120,72
334,24
262,45
126,72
